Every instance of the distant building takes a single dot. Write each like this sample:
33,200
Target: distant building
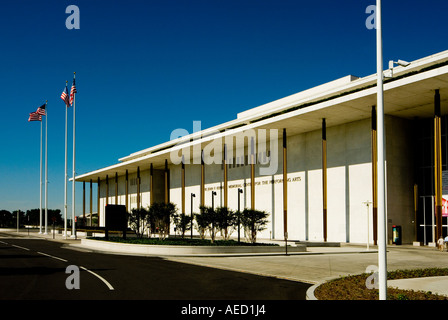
330,126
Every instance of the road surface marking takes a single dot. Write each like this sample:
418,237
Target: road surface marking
99,277
57,258
20,247
95,274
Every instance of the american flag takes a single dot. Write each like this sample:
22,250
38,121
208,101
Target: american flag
41,110
34,116
72,92
64,96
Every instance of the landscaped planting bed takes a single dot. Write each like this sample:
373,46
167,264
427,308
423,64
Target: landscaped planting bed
183,242
354,287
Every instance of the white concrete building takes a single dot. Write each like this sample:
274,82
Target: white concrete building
330,141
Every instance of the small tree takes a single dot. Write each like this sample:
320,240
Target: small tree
5,218
212,220
56,216
182,223
226,221
21,217
161,213
253,222
202,224
139,221
32,216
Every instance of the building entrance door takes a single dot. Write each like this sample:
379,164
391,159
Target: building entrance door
427,223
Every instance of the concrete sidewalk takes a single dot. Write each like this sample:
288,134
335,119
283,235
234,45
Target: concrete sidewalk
322,264
437,285
319,264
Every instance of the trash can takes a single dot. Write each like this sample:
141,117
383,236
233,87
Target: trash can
396,235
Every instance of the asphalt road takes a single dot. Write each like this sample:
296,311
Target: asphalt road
36,269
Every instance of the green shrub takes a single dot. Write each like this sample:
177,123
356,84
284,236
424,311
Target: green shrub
182,223
161,213
226,221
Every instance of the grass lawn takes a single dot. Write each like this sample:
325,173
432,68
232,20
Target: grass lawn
354,287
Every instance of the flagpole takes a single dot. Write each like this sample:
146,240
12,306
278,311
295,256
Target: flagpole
46,167
65,175
40,199
74,148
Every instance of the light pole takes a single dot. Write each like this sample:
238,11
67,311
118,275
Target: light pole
192,196
392,63
382,231
213,199
381,187
368,203
239,212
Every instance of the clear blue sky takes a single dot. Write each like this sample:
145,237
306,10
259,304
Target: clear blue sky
145,68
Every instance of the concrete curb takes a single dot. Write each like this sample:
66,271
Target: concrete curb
310,292
171,250
437,285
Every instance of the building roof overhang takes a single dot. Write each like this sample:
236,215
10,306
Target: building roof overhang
409,94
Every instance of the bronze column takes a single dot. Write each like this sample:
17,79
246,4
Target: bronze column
415,210
374,146
116,188
98,200
84,201
285,187
126,191
225,175
166,181
438,164
151,185
91,204
138,188
202,179
183,185
252,174
107,189
324,176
